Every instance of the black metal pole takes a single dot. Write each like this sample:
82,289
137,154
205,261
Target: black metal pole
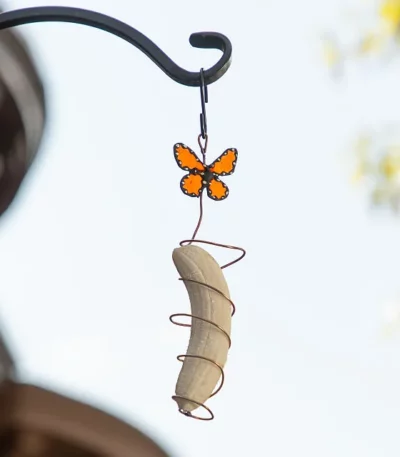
204,40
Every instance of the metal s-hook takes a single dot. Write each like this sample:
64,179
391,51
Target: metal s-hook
204,100
203,40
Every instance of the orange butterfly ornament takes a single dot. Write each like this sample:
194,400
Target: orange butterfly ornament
202,176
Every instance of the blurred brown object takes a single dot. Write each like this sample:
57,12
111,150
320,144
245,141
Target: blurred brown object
36,422
7,375
22,114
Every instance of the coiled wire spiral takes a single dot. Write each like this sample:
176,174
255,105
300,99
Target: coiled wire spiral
181,357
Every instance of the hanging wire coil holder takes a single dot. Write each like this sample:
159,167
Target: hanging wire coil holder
203,148
203,40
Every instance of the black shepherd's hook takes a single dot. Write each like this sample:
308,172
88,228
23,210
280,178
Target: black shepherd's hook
204,40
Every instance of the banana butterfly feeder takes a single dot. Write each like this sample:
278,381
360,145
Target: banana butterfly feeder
203,363
211,305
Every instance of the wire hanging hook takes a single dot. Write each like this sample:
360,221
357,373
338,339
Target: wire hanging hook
204,100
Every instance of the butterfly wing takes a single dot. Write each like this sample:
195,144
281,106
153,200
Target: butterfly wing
216,189
186,158
226,163
192,185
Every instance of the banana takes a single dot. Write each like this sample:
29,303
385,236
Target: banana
198,378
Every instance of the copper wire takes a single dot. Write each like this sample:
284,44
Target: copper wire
171,318
181,358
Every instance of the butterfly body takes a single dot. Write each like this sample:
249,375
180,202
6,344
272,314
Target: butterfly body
207,175
203,176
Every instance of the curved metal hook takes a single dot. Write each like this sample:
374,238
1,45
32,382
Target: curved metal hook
204,40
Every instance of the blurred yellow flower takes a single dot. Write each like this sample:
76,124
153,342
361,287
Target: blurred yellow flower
370,43
331,53
390,13
390,166
358,175
363,163
379,172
